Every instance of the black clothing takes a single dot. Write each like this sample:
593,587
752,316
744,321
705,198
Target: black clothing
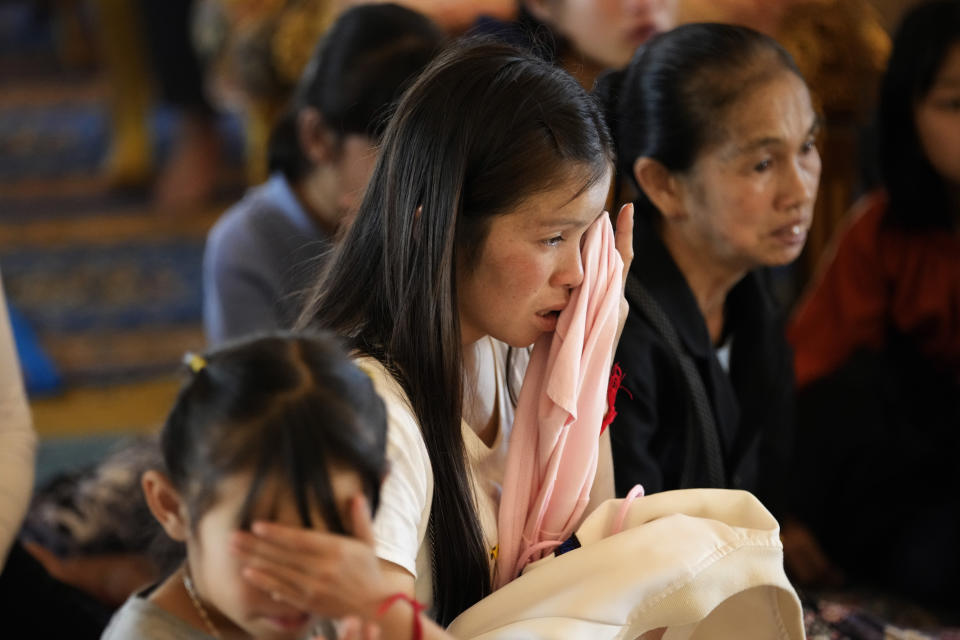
752,406
174,60
878,484
43,607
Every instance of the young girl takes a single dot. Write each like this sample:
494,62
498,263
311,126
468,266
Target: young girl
283,429
264,252
877,338
716,132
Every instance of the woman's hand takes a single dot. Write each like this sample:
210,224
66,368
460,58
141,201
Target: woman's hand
805,559
323,573
623,241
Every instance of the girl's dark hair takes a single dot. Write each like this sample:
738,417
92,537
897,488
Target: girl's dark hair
919,197
543,39
483,128
526,32
282,405
671,100
360,68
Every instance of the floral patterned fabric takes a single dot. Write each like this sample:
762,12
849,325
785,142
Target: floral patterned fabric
857,614
257,49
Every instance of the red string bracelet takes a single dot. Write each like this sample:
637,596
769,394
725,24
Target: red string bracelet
417,608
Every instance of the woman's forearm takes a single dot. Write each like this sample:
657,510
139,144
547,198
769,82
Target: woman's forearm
17,439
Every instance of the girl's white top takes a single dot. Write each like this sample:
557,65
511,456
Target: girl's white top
400,525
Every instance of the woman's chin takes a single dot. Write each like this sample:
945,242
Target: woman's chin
782,257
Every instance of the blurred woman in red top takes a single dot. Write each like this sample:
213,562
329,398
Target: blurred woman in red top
877,339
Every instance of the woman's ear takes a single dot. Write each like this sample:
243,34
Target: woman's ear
312,136
166,504
661,187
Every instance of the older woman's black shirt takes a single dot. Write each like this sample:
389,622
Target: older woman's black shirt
752,406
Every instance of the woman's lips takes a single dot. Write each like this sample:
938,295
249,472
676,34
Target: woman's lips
547,320
639,35
290,623
792,234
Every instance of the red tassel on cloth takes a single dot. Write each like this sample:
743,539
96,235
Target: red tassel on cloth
616,380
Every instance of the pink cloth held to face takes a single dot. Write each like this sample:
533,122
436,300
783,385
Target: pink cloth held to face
554,444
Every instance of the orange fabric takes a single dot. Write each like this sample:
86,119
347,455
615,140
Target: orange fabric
875,279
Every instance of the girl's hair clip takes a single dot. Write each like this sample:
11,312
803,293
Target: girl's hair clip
195,362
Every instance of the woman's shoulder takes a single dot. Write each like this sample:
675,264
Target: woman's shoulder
401,418
855,245
868,212
405,496
641,340
386,384
649,365
270,207
383,380
242,224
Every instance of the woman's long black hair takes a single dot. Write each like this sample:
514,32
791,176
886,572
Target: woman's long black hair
919,196
483,128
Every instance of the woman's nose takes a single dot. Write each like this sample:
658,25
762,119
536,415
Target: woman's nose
799,186
570,273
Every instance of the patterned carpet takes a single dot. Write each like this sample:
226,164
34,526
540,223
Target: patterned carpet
110,286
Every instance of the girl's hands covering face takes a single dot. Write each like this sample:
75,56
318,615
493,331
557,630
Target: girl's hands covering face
323,573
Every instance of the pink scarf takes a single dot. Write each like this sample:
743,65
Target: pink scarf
553,448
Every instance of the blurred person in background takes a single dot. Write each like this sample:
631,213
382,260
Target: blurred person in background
584,37
254,53
144,44
17,439
267,249
841,48
715,129
37,600
877,339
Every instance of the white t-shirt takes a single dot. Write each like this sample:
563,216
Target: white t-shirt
400,526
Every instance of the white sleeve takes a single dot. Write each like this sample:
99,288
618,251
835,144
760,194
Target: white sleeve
17,439
400,524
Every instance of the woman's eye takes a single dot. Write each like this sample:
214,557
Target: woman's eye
554,241
760,167
808,146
